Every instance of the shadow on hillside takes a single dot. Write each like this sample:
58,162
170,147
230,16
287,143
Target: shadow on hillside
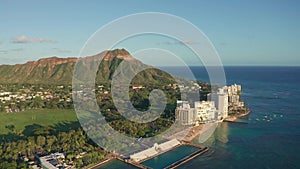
29,130
66,126
10,137
37,129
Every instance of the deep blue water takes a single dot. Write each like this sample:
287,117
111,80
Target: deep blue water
270,138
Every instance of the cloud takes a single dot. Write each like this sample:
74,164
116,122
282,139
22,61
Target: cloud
17,49
11,50
61,50
3,51
183,42
25,39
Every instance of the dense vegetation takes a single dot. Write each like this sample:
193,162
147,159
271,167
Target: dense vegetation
49,124
31,72
43,131
139,99
45,141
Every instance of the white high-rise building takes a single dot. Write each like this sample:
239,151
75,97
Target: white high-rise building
185,113
186,116
234,92
205,112
184,104
221,101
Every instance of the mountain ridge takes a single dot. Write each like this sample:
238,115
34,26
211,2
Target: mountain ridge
54,70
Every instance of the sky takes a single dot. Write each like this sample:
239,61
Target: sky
243,32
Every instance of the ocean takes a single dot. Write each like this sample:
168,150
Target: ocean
269,137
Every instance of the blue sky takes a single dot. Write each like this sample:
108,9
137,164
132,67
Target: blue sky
243,32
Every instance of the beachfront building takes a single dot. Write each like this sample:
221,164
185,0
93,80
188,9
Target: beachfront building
206,112
234,92
183,104
185,113
202,112
215,109
220,99
234,89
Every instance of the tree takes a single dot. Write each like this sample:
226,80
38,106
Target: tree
10,127
37,102
8,165
70,156
41,141
51,140
22,105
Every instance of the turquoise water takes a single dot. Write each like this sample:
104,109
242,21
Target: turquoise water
170,157
116,164
270,138
158,162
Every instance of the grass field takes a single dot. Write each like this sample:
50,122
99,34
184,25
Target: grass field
43,117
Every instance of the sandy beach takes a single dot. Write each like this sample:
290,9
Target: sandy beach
194,131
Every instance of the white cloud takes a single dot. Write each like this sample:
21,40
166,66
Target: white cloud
25,39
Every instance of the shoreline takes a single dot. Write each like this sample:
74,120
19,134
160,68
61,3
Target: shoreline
202,150
234,117
197,130
193,133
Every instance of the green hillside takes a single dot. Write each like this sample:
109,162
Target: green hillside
60,70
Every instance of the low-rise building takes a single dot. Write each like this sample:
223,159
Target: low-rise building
53,161
137,87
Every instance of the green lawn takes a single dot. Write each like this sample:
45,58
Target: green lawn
60,119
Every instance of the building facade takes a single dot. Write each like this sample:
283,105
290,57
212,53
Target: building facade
234,93
202,112
205,112
185,113
215,109
220,99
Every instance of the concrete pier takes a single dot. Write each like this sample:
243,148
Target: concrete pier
156,150
138,158
187,158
